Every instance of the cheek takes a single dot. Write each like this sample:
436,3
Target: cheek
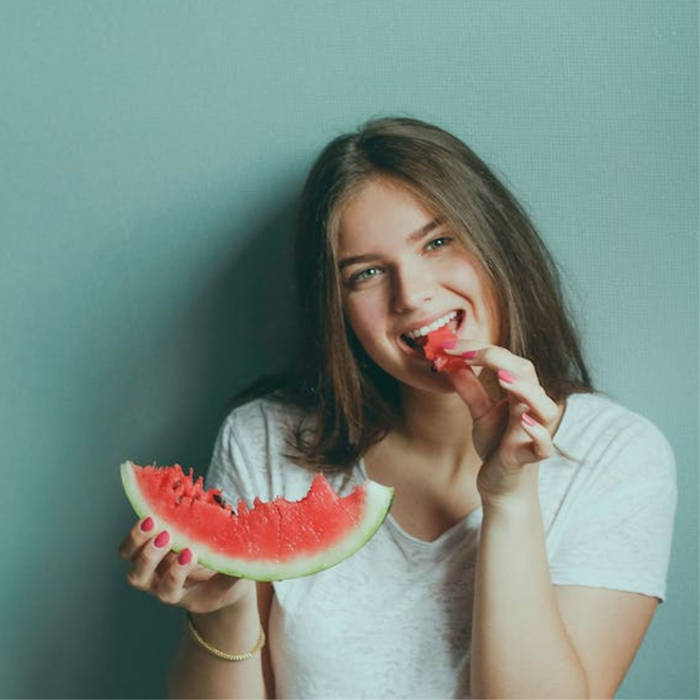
489,299
363,309
459,271
468,278
358,318
367,323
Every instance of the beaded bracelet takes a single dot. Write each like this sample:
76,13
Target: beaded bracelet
221,654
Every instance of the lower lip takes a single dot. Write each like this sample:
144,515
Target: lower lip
415,352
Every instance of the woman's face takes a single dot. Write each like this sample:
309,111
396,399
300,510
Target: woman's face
401,283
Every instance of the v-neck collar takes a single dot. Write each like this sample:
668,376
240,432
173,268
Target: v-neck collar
473,519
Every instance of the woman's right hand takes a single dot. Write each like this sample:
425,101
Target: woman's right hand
156,570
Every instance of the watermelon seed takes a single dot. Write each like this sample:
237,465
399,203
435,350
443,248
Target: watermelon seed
176,485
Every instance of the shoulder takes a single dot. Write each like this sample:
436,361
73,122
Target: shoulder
249,457
597,428
252,412
597,410
259,417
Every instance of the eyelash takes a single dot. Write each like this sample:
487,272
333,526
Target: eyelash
355,279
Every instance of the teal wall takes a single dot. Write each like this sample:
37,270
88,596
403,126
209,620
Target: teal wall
150,155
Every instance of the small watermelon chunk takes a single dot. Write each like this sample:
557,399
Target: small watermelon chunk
435,342
271,541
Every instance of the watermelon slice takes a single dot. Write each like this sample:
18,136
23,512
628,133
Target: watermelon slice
270,542
434,343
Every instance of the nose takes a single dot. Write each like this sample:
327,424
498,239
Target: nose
412,289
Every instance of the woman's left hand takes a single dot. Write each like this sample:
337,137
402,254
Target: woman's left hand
503,439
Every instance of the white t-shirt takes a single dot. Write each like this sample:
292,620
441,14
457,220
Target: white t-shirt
394,619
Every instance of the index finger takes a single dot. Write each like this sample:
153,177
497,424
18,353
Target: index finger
472,391
494,357
139,534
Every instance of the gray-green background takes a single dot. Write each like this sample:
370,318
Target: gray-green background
150,155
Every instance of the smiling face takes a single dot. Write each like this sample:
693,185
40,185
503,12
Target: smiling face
402,282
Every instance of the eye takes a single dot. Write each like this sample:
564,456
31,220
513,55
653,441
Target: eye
358,277
441,238
361,276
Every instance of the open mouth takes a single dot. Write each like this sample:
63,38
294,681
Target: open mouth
414,346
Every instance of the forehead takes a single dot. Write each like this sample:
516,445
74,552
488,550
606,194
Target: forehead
380,208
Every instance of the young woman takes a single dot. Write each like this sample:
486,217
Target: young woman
528,543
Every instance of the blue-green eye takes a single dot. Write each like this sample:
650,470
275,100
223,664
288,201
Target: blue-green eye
441,238
359,276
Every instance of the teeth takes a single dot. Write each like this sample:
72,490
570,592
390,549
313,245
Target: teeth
424,330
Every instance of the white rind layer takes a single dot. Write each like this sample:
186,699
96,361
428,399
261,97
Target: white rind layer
377,503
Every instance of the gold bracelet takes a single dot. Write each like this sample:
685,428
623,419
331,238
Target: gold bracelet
221,654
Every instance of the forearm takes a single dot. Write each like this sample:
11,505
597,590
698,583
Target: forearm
519,647
195,673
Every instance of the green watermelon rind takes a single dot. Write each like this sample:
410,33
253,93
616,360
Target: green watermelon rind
378,501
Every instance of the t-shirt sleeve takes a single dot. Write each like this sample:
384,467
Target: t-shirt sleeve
238,466
620,525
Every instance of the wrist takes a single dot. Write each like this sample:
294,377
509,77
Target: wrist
514,506
507,490
247,600
233,630
218,624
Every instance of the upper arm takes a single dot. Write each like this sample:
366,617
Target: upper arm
265,593
606,628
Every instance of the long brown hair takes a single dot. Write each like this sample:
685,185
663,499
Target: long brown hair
351,402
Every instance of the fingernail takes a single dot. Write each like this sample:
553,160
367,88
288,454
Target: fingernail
185,557
469,354
147,524
161,540
506,376
527,418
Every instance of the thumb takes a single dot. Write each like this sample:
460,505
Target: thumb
472,391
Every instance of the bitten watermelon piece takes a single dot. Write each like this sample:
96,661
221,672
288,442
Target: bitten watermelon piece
269,542
435,342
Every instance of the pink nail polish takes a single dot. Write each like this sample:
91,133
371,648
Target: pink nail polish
147,524
162,539
527,418
469,354
185,557
506,376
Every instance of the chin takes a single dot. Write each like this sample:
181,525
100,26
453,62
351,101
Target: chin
428,381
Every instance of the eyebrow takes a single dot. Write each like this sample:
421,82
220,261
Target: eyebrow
411,238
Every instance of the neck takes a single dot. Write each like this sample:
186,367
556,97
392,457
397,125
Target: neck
438,427
437,422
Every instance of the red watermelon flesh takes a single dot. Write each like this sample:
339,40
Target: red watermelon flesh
435,342
272,540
